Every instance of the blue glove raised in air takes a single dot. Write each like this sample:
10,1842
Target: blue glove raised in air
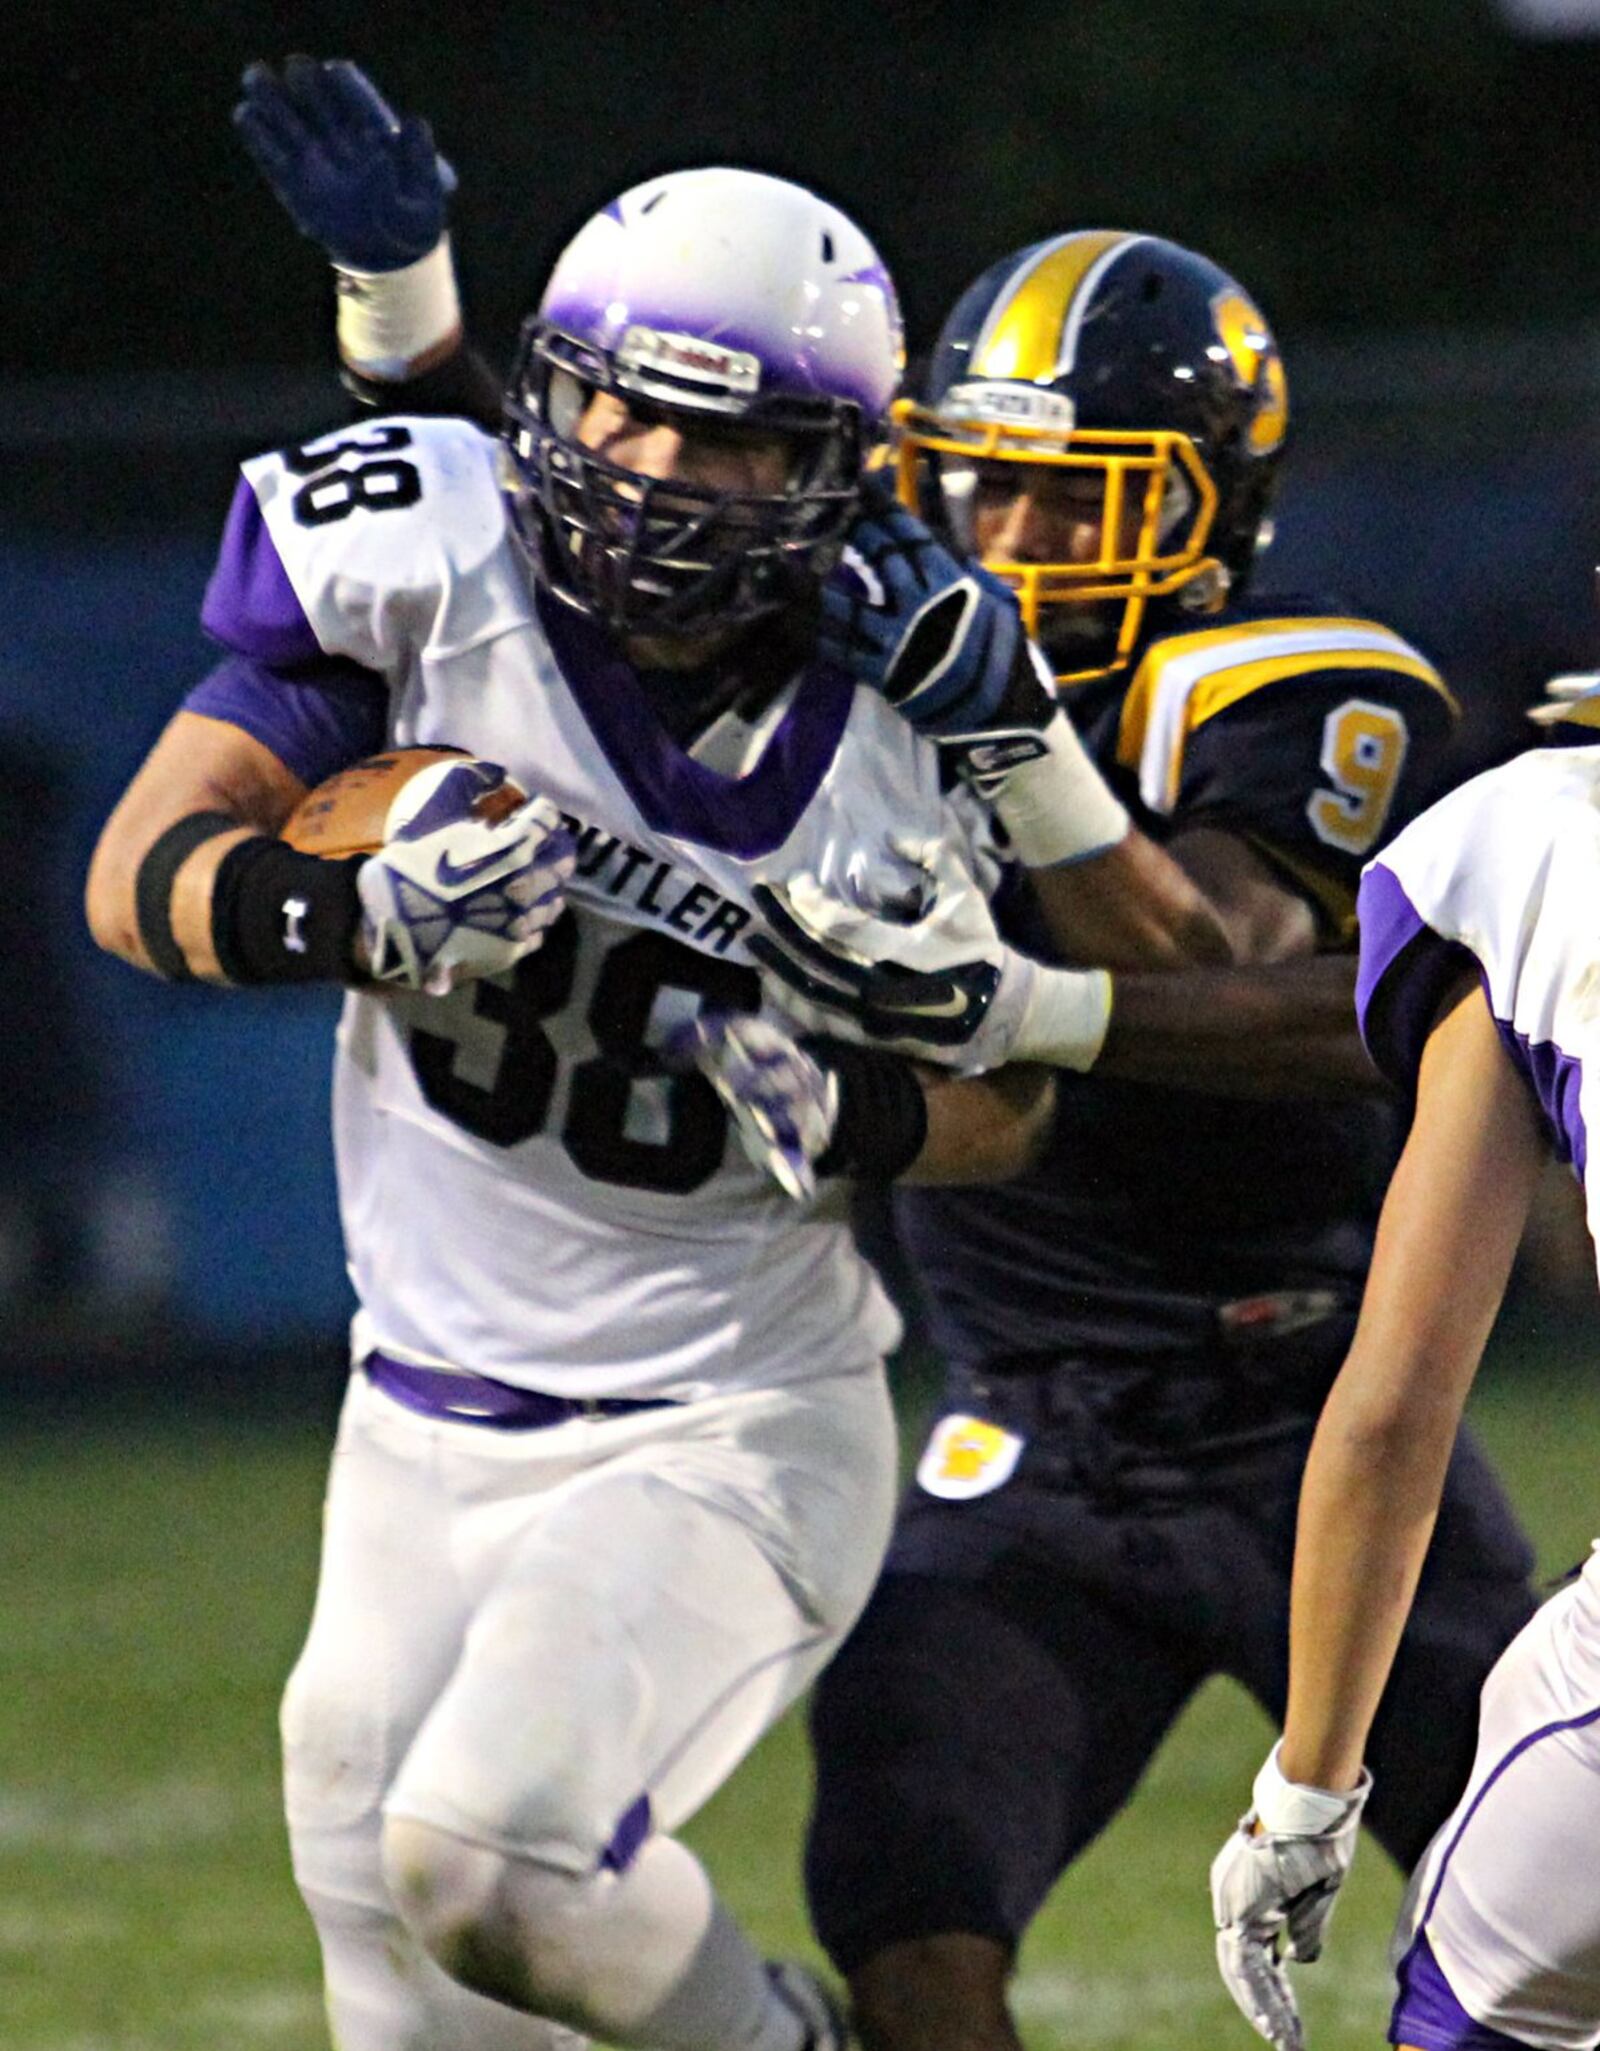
942,639
366,183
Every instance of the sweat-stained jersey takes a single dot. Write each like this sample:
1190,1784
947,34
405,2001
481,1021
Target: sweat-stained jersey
524,1192
1156,1213
1500,878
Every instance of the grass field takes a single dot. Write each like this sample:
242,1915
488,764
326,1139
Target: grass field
155,1580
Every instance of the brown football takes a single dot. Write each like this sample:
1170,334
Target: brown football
355,812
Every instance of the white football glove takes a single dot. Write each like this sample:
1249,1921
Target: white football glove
940,985
1276,1879
783,1103
454,901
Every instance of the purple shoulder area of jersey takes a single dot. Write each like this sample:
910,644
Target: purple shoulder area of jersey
317,720
250,606
745,816
1405,970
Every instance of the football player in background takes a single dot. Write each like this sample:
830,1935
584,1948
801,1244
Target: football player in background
1140,1331
1139,1334
1477,1000
616,1465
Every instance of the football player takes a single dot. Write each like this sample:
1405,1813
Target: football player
1477,999
1140,1333
615,1470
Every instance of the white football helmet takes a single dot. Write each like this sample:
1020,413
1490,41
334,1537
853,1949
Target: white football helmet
723,295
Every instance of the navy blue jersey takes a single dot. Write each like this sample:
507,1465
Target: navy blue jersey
1156,1213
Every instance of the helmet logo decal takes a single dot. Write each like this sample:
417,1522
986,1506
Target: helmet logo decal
1030,405
1254,355
689,357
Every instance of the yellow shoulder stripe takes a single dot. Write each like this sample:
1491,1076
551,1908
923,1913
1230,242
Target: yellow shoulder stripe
1189,678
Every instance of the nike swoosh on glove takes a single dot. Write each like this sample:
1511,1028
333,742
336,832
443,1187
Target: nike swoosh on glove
1273,1888
934,985
451,902
366,183
784,1105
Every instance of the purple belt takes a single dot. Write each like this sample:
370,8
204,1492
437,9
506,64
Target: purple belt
474,1399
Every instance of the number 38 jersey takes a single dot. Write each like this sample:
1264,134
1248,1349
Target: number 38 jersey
525,1191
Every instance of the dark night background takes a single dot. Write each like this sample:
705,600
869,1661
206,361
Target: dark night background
1410,190
1361,165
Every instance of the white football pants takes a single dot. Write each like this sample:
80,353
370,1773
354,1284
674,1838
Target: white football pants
527,1637
1509,1890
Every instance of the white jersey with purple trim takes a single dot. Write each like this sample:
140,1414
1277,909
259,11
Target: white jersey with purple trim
524,1192
1501,1925
1502,874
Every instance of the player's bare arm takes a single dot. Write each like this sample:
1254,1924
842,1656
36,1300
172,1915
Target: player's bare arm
190,881
1450,1228
987,1128
1280,1023
805,1110
198,766
1449,1231
1132,906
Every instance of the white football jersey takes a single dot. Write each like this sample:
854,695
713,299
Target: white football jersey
524,1192
1501,875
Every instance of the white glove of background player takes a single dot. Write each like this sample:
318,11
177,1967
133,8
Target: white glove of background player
462,899
784,1105
940,985
1277,1879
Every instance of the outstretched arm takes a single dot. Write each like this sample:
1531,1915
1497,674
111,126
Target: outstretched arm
1280,1024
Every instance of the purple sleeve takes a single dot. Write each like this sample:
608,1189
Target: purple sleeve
316,719
1404,971
250,606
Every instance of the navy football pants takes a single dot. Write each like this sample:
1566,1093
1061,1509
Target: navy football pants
1026,1651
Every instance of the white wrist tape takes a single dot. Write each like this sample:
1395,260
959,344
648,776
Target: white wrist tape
1065,1019
388,319
1057,808
1286,1809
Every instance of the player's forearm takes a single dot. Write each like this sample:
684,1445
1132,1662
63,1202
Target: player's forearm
1367,1510
198,768
987,1128
1283,1031
1451,1224
1130,907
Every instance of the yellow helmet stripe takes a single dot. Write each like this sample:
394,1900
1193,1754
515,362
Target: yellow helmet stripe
1032,328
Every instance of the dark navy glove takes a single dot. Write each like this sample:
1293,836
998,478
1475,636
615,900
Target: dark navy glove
942,639
353,175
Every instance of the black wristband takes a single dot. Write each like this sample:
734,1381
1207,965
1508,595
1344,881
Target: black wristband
152,888
883,1114
280,916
